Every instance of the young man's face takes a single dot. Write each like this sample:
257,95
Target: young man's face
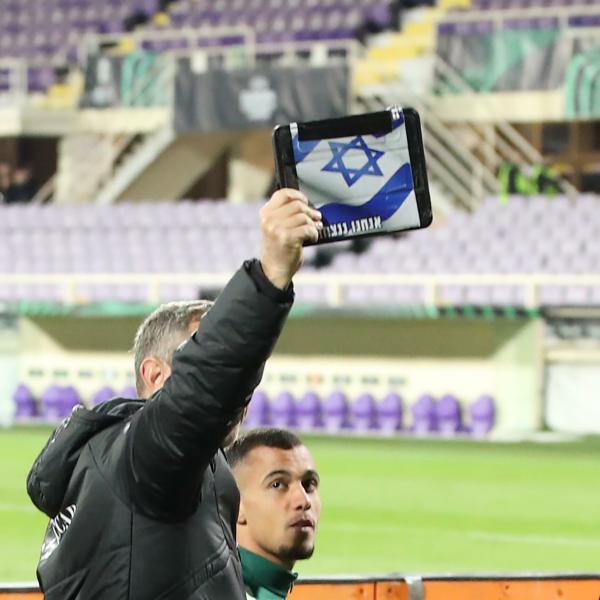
280,504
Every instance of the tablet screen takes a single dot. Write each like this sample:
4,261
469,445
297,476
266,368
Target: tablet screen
362,184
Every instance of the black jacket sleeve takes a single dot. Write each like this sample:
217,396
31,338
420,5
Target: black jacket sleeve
173,439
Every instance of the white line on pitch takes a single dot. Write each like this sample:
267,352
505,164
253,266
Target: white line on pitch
532,539
476,535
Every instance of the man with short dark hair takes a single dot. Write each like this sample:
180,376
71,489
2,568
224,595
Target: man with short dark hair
142,503
279,508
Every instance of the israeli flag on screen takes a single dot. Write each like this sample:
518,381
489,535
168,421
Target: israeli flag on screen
361,184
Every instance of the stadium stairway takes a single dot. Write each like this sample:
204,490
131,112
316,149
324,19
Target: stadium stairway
105,167
390,53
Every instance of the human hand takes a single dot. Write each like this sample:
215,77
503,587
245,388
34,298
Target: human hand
287,221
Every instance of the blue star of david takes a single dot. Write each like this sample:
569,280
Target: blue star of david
352,175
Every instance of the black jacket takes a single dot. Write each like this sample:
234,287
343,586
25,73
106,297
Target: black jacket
142,503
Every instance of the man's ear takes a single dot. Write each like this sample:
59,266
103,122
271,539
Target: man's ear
241,520
154,372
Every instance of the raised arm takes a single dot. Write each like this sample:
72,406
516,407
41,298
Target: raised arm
172,440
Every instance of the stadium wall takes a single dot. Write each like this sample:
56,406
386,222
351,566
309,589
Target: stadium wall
572,402
465,357
9,364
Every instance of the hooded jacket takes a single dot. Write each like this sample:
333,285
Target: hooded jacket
142,502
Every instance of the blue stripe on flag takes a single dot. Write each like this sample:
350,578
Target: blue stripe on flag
302,149
383,204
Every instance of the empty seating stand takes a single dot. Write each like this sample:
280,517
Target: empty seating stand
528,236
50,30
333,413
275,21
57,401
336,413
48,33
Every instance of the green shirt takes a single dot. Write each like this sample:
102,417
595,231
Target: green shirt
264,580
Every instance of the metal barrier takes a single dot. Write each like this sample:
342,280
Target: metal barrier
497,17
245,51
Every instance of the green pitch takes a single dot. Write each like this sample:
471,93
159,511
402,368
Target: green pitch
401,505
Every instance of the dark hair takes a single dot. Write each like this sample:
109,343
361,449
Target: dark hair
270,437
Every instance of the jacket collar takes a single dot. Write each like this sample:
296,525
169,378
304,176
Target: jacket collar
262,574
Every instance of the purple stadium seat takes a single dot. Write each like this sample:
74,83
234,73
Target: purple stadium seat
483,416
129,392
452,294
335,412
577,295
506,295
309,412
283,410
551,295
103,394
424,416
52,403
478,295
449,416
70,399
40,79
25,404
390,413
364,413
380,14
258,410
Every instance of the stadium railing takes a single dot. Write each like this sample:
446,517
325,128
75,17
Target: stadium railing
241,38
334,284
561,14
570,586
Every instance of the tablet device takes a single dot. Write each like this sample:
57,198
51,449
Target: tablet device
366,173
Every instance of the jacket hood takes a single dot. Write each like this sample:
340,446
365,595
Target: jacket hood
51,472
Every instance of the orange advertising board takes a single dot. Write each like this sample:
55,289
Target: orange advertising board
556,587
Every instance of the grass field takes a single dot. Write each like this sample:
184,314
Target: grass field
403,505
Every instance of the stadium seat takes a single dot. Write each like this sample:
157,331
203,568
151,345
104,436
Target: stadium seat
103,394
309,412
258,411
336,411
70,399
423,412
449,416
53,405
364,413
129,392
482,415
390,414
283,410
25,404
